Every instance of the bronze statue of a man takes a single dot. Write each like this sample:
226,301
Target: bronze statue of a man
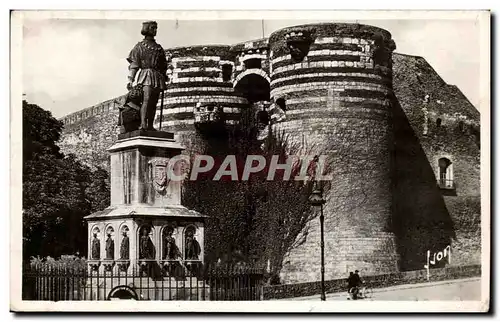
124,247
110,247
148,68
146,246
193,248
96,248
170,249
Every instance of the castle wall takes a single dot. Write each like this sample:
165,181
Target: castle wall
198,77
90,132
336,105
385,204
426,216
256,49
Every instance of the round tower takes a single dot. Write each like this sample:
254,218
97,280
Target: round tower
334,82
200,100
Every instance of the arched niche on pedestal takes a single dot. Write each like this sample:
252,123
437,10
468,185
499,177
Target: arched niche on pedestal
95,242
152,252
170,230
192,249
124,242
109,242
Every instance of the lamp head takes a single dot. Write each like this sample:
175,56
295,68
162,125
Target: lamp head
316,198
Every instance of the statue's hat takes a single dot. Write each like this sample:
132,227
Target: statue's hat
145,26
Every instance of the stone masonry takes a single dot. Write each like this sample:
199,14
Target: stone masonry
384,120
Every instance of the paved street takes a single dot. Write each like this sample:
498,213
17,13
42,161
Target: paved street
455,290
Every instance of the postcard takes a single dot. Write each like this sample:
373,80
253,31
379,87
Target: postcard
231,161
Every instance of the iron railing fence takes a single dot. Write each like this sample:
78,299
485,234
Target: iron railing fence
145,281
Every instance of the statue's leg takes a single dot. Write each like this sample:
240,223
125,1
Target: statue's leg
153,102
144,108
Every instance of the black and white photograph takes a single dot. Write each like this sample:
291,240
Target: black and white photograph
336,161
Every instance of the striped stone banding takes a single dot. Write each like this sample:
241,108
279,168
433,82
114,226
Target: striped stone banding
261,44
197,58
205,99
326,77
338,58
196,69
226,62
364,93
198,92
345,113
306,87
343,40
341,84
192,104
326,111
316,50
190,115
210,83
199,73
213,80
327,68
280,58
196,64
178,125
340,99
187,90
252,56
323,52
190,109
301,125
338,47
329,52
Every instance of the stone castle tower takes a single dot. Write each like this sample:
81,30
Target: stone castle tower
334,83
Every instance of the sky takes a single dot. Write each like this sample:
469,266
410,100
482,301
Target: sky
72,64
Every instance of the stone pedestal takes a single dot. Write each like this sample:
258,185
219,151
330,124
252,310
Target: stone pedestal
145,207
139,166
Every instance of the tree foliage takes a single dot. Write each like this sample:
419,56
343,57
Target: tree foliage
58,190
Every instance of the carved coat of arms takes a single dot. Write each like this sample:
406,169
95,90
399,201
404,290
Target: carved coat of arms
159,174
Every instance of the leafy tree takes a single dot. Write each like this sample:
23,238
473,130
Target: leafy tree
58,190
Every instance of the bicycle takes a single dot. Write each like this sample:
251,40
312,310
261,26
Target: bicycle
366,292
353,293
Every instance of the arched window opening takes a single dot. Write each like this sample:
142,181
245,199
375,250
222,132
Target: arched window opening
439,122
281,103
445,174
461,126
227,71
263,117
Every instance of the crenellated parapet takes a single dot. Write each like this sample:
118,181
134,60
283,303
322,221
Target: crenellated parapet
109,106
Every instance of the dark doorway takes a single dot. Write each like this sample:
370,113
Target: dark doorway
254,88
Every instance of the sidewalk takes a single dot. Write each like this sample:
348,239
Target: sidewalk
340,295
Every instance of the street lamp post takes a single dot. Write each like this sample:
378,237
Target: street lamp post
316,199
